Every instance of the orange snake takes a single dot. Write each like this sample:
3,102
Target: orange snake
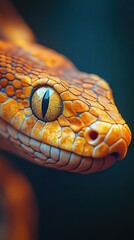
51,113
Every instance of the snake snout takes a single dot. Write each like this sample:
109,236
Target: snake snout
108,139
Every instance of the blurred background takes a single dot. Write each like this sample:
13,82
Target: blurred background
98,36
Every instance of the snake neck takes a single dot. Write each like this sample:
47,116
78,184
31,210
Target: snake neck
12,25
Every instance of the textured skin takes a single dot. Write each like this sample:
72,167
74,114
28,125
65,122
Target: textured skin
88,106
88,135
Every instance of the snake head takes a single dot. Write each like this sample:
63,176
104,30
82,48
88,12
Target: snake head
69,122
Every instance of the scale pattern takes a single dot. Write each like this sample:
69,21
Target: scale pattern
89,110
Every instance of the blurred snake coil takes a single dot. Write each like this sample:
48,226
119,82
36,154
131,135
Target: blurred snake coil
51,113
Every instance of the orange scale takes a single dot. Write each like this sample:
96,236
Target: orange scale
26,103
4,82
17,84
76,124
2,70
59,88
19,94
87,85
68,96
103,84
74,91
25,72
68,110
80,106
63,121
10,91
10,76
100,91
109,95
21,106
3,97
89,80
19,70
7,112
3,64
9,70
27,91
88,118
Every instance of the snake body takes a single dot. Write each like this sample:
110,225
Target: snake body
51,113
77,127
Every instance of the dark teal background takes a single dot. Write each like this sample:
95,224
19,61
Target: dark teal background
98,36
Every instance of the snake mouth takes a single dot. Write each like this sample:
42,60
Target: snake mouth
50,156
89,165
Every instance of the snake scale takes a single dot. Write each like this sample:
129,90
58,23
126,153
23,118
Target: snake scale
51,113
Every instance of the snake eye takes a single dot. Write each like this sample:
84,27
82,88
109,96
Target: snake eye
46,104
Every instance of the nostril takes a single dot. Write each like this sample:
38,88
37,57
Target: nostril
93,135
115,154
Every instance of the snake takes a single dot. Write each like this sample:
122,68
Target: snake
51,113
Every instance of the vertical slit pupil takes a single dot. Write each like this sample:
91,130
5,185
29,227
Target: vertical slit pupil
45,102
